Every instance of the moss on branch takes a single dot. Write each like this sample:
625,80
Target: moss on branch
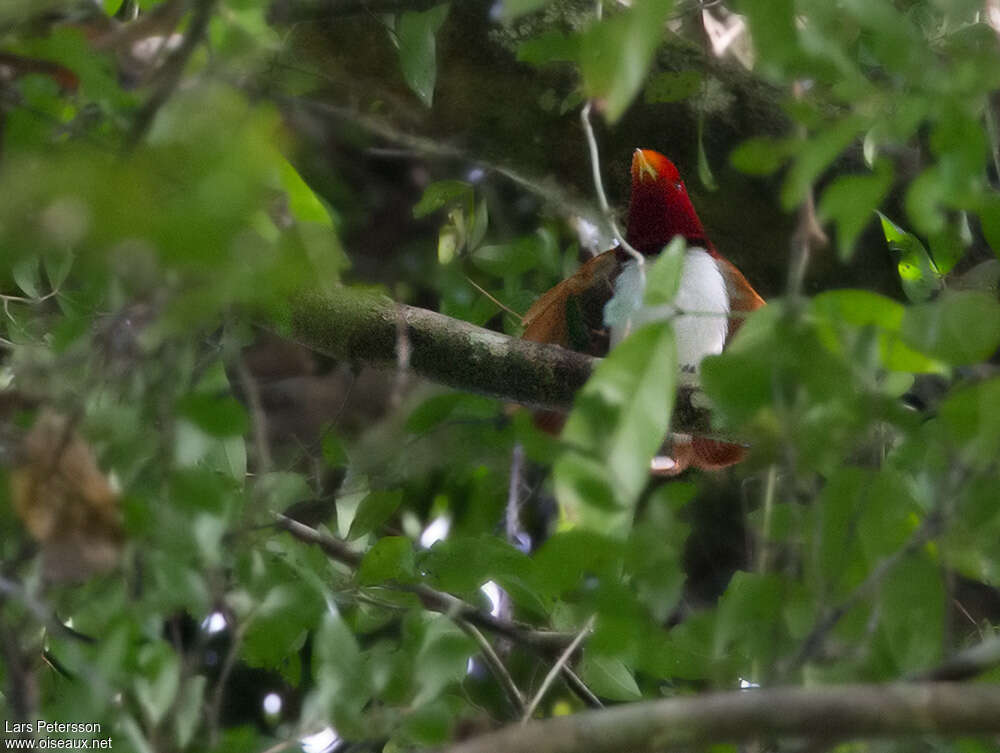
366,327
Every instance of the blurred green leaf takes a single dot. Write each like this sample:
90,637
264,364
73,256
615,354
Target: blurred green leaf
704,168
57,267
442,659
373,511
189,709
440,194
663,277
621,416
989,218
615,54
509,258
760,156
416,32
390,559
26,274
850,201
609,678
815,155
158,680
749,616
912,612
958,327
972,418
549,47
216,415
512,9
772,26
671,86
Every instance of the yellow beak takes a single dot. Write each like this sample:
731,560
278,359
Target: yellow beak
642,168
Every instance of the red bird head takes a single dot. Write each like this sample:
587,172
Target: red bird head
660,207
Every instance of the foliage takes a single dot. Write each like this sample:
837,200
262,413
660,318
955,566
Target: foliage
137,263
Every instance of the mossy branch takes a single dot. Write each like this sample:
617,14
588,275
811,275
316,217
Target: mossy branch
366,327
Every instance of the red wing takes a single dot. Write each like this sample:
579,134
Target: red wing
545,321
742,297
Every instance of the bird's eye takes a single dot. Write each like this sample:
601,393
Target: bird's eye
679,186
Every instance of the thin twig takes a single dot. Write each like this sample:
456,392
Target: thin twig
496,666
493,298
432,599
41,611
214,710
579,687
173,70
557,668
811,645
602,199
258,417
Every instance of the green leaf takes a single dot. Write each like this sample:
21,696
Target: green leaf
189,709
440,194
815,155
615,54
609,678
57,267
549,47
912,613
480,223
671,86
850,201
663,277
621,416
158,680
439,408
509,258
567,558
338,667
373,511
280,623
772,27
989,219
704,168
959,328
303,202
26,274
761,156
972,419
216,415
841,311
512,9
748,614
390,559
917,272
416,32
334,452
443,659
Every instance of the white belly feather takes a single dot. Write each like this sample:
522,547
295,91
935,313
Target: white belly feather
700,331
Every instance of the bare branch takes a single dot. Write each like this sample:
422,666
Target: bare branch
557,668
433,600
832,713
496,666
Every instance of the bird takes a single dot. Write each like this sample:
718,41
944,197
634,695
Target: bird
572,314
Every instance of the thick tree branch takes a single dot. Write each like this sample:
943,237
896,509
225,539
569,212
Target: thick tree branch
830,713
364,327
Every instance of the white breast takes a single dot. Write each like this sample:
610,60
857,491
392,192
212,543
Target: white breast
700,330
